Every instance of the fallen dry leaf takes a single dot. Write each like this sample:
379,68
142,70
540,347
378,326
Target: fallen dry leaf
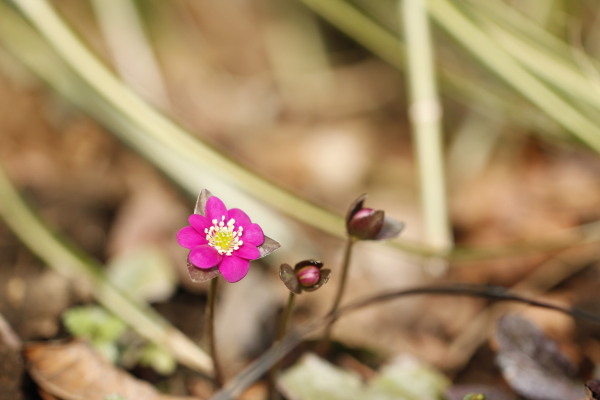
11,363
593,389
73,371
532,363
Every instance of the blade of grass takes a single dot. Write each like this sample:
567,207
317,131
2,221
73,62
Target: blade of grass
361,28
425,117
71,263
547,57
520,24
483,47
469,140
33,51
134,59
159,138
492,55
297,53
176,152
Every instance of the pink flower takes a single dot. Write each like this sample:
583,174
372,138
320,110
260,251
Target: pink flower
222,240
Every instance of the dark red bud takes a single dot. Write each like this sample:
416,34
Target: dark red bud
306,276
365,223
309,275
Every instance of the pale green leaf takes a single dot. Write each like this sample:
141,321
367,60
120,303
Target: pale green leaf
145,274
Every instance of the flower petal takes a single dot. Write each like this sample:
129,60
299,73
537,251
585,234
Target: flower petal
204,256
253,234
215,208
189,238
241,218
234,268
199,222
248,252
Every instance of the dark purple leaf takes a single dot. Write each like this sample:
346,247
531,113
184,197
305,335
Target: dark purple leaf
593,387
532,363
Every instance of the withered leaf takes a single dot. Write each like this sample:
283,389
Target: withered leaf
532,363
11,363
73,371
593,387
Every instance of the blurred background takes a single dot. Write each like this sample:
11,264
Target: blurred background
290,110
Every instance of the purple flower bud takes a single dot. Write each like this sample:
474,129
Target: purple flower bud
363,213
367,224
307,276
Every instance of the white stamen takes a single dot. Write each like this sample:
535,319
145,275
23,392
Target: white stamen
224,237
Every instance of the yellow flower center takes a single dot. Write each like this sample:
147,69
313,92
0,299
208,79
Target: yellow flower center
223,236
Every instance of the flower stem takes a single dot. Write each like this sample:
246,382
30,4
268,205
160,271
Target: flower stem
210,331
273,395
340,293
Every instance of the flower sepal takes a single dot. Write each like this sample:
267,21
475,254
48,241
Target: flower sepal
306,276
198,275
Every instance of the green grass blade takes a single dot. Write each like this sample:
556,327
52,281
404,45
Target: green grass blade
70,262
494,57
426,121
159,138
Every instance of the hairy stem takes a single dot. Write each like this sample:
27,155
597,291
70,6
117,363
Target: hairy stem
210,332
340,293
283,322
